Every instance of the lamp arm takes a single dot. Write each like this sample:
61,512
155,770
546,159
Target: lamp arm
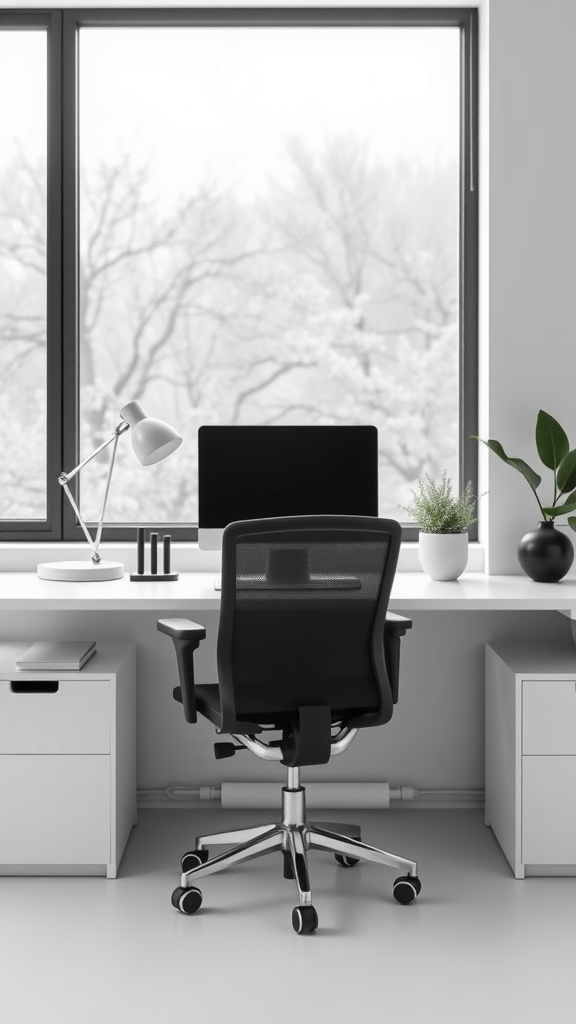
95,555
64,478
68,494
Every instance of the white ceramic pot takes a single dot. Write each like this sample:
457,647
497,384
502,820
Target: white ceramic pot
443,556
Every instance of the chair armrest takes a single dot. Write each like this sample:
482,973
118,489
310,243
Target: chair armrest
186,636
395,628
397,624
182,629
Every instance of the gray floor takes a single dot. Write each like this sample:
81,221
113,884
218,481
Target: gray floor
476,946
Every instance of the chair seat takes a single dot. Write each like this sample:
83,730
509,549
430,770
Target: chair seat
209,705
208,702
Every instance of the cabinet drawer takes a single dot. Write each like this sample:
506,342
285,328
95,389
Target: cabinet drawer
549,716
549,810
73,720
54,809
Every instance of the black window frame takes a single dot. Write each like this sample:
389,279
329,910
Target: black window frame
49,528
63,27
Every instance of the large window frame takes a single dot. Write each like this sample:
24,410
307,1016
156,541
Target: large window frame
62,288
49,528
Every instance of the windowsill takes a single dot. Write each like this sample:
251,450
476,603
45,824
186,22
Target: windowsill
16,556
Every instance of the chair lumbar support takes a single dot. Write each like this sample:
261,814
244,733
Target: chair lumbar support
293,836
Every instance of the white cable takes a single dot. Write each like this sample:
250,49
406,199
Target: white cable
319,795
183,794
193,792
367,795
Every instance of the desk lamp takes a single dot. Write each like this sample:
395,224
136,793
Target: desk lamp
152,440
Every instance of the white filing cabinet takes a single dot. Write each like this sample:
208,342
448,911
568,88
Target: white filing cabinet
531,755
67,763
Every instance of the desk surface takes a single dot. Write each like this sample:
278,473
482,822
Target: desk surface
412,591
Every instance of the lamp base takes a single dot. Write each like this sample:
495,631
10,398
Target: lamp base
80,572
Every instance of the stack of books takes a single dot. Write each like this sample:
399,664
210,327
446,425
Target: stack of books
60,655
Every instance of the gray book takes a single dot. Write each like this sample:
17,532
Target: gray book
63,655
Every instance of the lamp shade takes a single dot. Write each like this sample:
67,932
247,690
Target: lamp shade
152,440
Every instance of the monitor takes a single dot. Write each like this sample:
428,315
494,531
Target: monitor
261,472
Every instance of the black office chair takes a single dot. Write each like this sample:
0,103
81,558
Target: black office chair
307,649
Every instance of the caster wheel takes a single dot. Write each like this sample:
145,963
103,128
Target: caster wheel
304,919
406,889
193,859
346,862
187,901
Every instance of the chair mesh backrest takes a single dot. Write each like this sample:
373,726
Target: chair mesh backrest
300,600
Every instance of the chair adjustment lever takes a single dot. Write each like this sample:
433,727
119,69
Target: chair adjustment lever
222,750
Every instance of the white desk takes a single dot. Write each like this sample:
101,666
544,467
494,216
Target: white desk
194,591
428,751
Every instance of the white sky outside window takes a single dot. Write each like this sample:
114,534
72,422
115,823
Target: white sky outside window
268,234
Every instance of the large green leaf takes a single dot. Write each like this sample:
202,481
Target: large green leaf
533,479
566,473
551,440
572,522
560,510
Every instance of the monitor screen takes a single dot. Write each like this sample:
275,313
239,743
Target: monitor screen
261,472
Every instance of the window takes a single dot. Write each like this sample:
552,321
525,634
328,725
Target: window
269,217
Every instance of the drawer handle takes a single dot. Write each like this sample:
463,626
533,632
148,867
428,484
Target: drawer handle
34,686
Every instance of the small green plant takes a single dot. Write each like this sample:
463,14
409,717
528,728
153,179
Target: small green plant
436,509
553,448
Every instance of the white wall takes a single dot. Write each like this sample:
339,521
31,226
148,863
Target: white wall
528,291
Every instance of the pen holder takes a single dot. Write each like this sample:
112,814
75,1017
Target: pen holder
166,574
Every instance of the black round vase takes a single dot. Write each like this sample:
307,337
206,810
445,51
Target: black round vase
545,553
